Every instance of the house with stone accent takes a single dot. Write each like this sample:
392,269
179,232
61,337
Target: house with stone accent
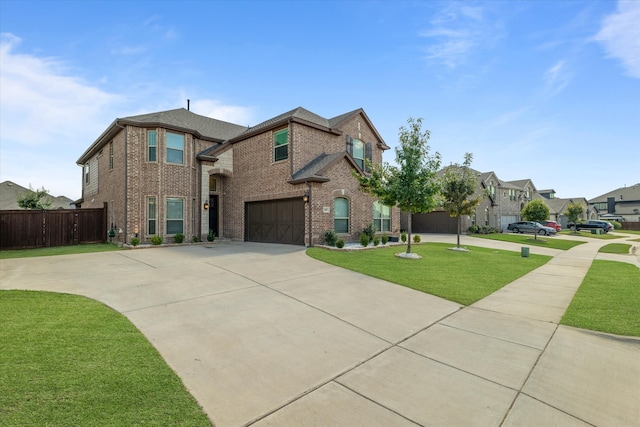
286,180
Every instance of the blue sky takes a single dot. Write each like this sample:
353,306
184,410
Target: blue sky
546,90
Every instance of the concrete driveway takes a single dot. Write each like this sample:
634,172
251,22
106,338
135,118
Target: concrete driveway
263,335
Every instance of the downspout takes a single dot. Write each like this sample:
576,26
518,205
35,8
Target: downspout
126,181
310,216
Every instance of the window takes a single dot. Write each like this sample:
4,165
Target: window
358,152
512,195
175,148
600,206
111,155
492,190
152,145
213,184
86,173
281,145
175,215
151,215
341,215
381,217
486,216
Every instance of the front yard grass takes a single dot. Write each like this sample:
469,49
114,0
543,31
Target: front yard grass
528,239
60,250
616,248
462,277
71,361
608,300
583,233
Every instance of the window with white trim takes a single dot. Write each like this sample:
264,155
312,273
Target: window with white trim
175,215
341,215
152,216
175,148
381,217
152,145
281,145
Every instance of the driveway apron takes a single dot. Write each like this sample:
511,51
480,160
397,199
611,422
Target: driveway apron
264,335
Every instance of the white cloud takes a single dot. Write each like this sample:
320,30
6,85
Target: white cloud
620,35
40,104
228,113
557,77
459,30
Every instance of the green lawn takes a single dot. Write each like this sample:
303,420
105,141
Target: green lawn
67,360
60,250
463,277
608,300
528,239
616,248
583,233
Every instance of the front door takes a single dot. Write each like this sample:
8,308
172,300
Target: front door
213,215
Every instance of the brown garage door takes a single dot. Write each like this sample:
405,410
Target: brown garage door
434,222
275,221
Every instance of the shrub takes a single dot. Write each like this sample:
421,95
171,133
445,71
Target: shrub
156,240
196,239
376,240
211,236
370,231
403,236
364,239
416,238
616,225
135,241
340,243
330,238
385,239
178,238
473,229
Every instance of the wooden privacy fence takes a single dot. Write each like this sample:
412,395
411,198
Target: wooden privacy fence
630,226
23,229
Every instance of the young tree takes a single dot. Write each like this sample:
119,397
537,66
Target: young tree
535,210
412,185
34,199
574,211
459,184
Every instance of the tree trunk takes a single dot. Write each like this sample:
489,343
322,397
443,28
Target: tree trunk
459,226
409,233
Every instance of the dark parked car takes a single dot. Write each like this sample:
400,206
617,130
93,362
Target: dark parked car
552,224
606,226
530,227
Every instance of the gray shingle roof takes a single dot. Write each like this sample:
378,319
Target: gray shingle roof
622,193
184,119
313,170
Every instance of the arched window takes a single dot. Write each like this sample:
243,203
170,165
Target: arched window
381,217
341,215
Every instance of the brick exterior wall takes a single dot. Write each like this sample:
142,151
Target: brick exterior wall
245,172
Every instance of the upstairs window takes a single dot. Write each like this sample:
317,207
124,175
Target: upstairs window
341,215
111,155
86,173
358,152
381,217
175,148
152,145
281,145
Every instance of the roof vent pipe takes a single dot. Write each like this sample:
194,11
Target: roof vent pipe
188,102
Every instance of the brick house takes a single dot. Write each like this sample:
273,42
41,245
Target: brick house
285,180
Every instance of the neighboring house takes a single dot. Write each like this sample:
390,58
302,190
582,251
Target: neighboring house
286,180
558,206
622,204
10,192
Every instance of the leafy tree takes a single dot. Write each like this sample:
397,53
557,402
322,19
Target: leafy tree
459,184
574,211
412,185
535,210
34,199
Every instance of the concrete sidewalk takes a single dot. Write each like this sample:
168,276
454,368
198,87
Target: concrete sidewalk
263,335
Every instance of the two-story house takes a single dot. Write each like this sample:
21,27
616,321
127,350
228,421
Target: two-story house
285,180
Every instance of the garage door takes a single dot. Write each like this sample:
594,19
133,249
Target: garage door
275,221
434,222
